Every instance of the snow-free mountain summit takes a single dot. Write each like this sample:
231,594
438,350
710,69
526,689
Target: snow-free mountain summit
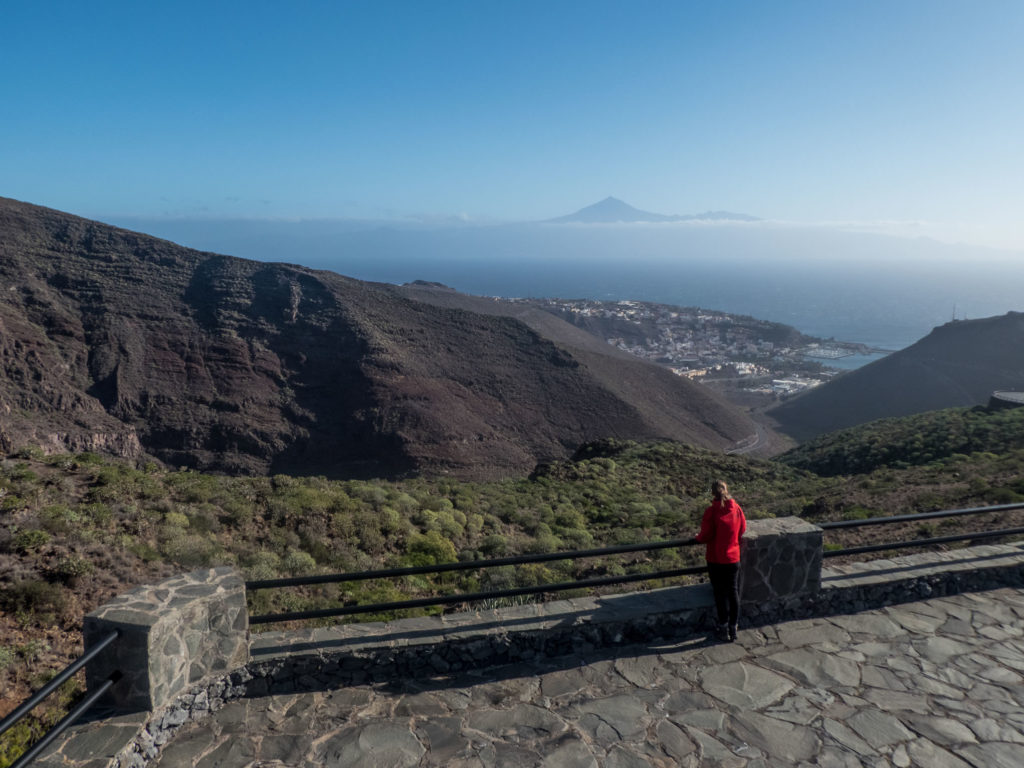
611,210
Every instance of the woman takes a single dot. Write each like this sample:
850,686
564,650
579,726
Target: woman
723,525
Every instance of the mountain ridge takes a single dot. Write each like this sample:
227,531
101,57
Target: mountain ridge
958,364
121,343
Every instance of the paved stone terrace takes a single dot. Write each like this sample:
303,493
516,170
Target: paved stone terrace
934,683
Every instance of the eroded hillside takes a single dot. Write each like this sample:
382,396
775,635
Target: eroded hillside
125,344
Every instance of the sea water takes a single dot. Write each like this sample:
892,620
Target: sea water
884,292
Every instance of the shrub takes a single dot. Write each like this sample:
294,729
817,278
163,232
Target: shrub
187,549
30,540
429,549
237,513
71,567
297,562
99,513
32,596
176,519
204,519
10,502
494,545
1003,496
58,519
261,565
146,552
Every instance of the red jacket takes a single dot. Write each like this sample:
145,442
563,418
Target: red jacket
721,528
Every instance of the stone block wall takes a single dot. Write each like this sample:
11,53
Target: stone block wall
174,635
780,559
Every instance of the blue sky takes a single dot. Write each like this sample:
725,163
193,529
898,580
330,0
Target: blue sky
903,116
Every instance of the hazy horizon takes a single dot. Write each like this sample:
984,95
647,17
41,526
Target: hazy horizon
901,118
856,286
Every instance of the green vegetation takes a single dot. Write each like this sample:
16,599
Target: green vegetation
27,732
911,441
80,528
77,530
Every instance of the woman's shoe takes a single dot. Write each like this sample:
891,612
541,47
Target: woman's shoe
723,633
732,632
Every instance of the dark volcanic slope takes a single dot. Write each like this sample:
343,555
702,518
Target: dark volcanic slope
957,364
673,406
119,342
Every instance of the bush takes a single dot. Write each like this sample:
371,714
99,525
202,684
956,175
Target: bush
297,562
59,519
70,568
146,552
1003,496
237,513
100,514
176,519
261,565
494,545
30,540
187,549
429,549
32,596
90,458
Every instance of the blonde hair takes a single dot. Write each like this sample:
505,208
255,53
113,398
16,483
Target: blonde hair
720,490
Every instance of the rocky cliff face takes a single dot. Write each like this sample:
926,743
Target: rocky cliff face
122,343
958,364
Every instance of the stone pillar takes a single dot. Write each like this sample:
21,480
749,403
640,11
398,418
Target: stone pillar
173,635
779,558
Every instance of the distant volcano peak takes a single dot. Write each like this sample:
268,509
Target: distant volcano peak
612,210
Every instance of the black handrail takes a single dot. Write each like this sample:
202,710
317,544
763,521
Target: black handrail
61,677
916,516
65,722
573,554
469,597
466,565
923,542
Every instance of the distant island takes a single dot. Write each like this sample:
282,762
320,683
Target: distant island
611,210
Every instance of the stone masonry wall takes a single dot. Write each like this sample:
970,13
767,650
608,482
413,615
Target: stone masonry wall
779,558
174,635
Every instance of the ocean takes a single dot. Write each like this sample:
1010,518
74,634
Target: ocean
887,312
881,291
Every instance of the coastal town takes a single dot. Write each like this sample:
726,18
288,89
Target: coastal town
718,348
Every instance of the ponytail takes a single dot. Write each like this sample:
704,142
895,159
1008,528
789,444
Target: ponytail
720,490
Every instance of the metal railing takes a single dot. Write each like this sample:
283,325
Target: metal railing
923,542
59,679
455,599
470,597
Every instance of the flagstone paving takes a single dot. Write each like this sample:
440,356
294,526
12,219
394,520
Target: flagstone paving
938,683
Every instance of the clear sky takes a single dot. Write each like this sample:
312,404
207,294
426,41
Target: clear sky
895,114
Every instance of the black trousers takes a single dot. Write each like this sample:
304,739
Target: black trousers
725,584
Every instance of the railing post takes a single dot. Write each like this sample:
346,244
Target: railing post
172,635
780,558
